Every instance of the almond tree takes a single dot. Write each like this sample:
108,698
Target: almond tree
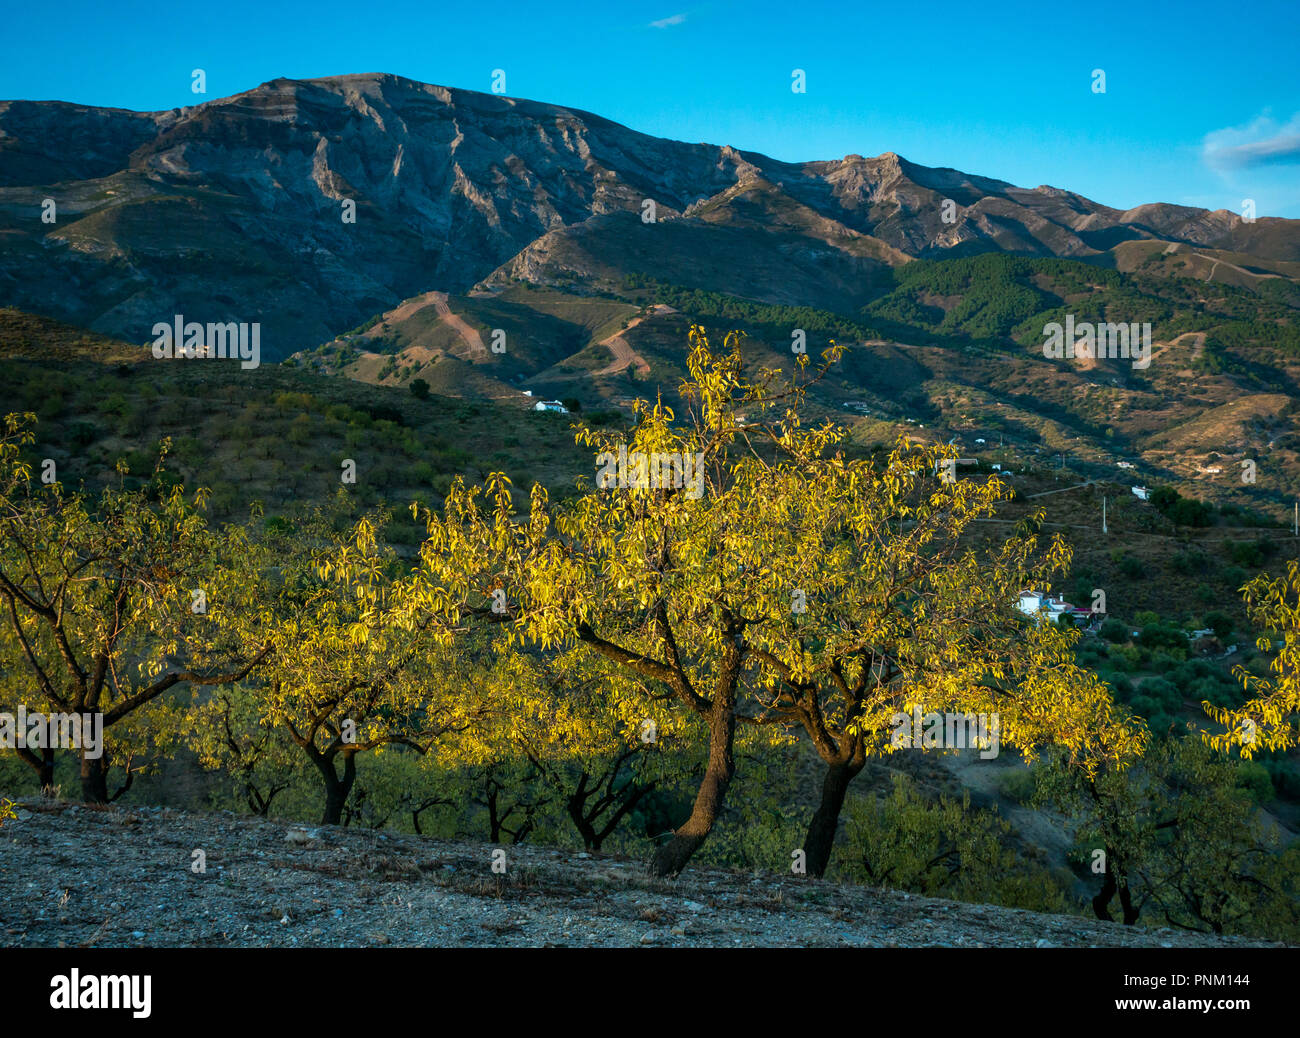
593,733
1175,836
1101,781
782,583
362,663
227,734
879,604
108,604
1270,719
655,578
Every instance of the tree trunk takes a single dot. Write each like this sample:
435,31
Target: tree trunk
590,841
671,857
336,788
628,805
42,764
585,822
494,822
94,780
1131,913
1111,884
1101,902
820,839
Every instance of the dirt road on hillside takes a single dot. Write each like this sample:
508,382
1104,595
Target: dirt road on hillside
624,355
438,300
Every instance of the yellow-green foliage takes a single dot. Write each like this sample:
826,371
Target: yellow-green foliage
362,661
1268,721
892,608
551,667
1189,845
102,598
794,586
942,847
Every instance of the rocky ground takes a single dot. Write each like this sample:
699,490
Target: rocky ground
73,876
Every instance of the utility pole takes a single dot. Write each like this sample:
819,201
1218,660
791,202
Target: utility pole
1103,513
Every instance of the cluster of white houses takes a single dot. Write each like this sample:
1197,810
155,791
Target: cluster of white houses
1053,607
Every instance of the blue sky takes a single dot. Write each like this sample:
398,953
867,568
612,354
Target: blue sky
1202,101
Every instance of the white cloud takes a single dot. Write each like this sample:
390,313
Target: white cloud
663,23
1261,142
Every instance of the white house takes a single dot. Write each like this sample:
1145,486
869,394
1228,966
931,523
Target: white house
1125,465
1051,607
550,405
1030,602
1142,493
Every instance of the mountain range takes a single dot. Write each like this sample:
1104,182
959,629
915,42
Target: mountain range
389,230
234,210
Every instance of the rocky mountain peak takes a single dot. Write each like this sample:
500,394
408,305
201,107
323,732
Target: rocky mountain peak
312,204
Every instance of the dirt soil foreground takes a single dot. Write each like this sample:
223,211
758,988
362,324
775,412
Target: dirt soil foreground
73,876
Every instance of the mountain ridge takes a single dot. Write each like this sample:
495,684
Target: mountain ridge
233,207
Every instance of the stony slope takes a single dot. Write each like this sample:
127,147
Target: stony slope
75,877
